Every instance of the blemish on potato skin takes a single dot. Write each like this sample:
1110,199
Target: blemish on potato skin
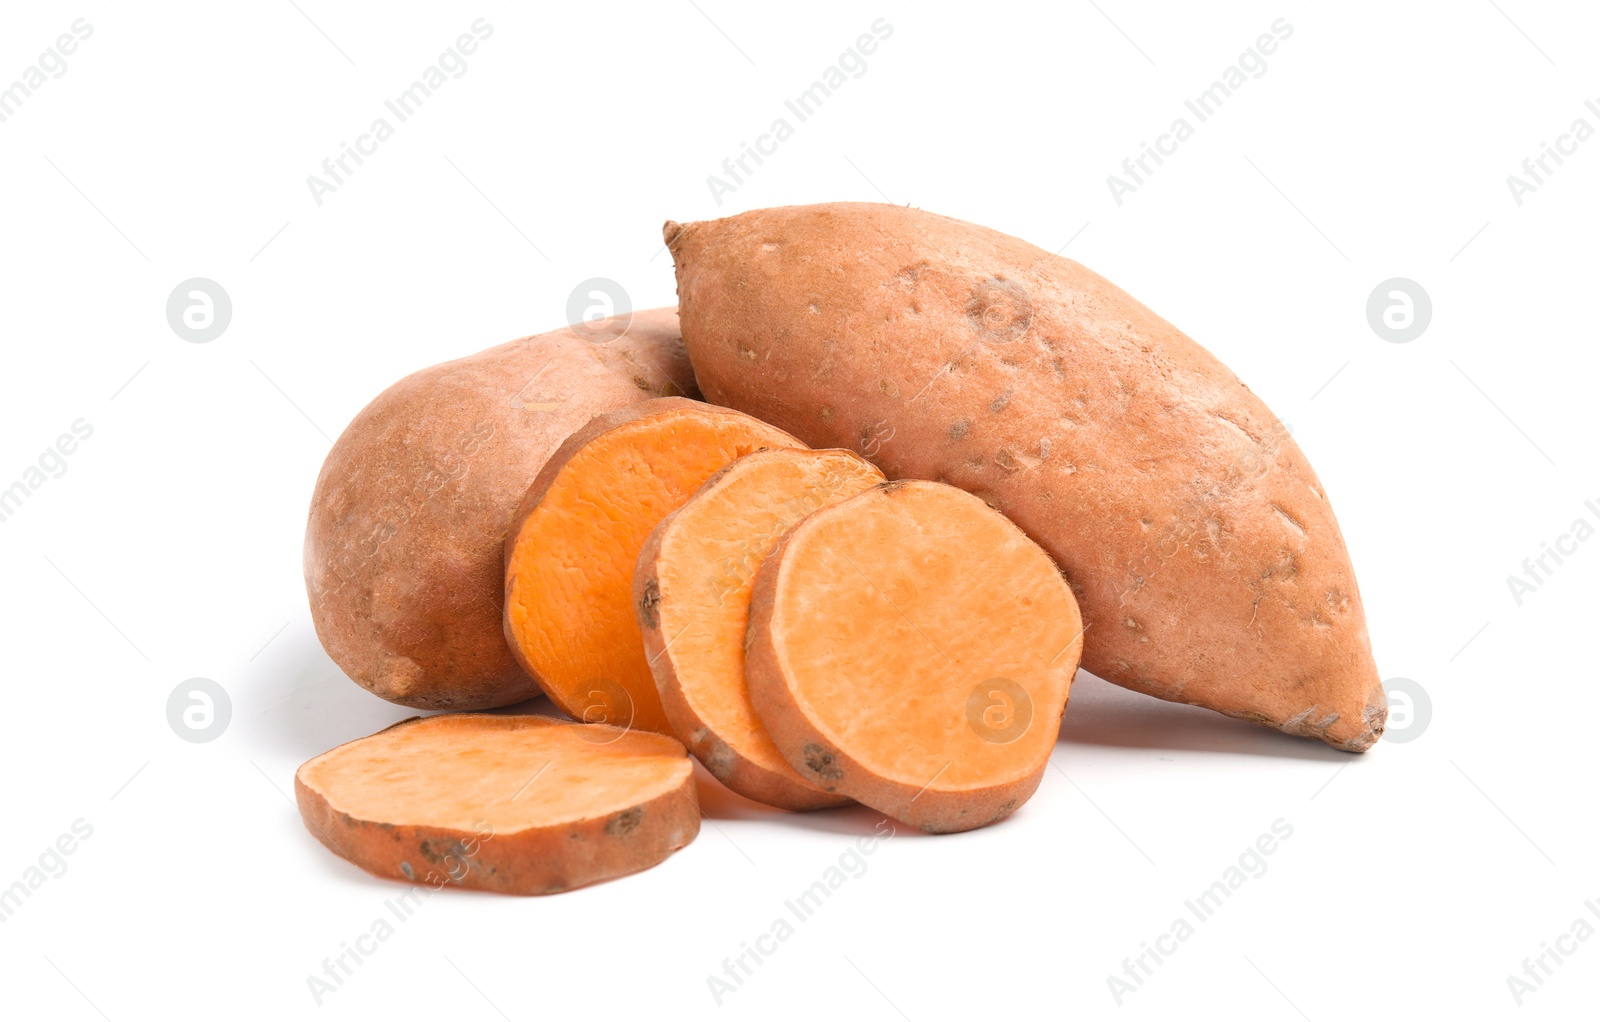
821,762
910,276
720,760
1006,809
960,428
650,603
625,822
1000,401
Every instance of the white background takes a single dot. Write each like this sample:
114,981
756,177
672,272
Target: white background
1376,145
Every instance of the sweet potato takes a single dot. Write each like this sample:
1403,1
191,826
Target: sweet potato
1201,545
405,538
910,648
570,556
517,805
692,595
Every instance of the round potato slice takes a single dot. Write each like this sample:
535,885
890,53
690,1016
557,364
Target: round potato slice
513,804
571,553
909,647
692,595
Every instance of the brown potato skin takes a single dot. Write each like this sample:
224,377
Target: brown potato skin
1205,556
537,861
404,537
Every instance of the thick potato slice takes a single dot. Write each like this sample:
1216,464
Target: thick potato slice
1200,543
911,648
517,805
570,556
692,595
404,551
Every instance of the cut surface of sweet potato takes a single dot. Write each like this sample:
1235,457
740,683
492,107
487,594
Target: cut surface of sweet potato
911,648
692,596
514,804
570,555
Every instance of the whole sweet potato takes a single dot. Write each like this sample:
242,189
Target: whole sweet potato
1204,553
404,545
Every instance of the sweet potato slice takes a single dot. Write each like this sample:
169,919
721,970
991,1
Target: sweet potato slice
692,595
571,553
517,805
911,648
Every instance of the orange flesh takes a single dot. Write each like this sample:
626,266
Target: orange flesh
569,578
894,607
458,772
708,555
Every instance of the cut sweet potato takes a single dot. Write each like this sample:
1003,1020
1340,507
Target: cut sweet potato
571,553
692,595
911,648
517,805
